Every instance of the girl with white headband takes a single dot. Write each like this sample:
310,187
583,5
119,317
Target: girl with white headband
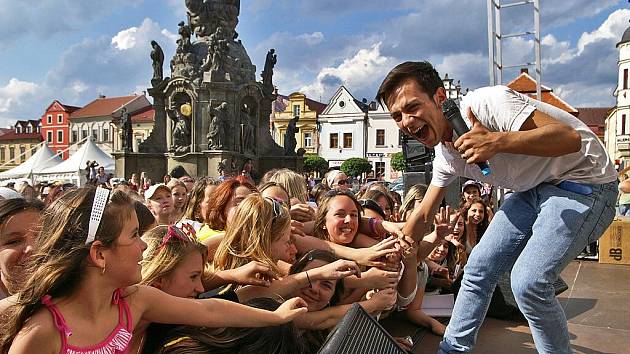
81,297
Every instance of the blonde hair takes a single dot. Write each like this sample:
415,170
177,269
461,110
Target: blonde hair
256,224
161,258
293,182
417,191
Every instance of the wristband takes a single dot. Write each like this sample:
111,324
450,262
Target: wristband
310,285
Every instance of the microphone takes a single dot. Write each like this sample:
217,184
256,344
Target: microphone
452,114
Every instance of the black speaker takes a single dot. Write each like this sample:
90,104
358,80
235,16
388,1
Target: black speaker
418,157
358,332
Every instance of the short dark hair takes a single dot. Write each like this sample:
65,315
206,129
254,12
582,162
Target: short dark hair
422,72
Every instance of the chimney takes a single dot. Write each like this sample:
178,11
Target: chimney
524,71
100,95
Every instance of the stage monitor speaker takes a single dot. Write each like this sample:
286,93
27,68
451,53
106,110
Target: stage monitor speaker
358,332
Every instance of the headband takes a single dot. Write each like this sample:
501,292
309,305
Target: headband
331,177
98,207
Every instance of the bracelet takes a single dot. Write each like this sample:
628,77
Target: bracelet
310,285
372,223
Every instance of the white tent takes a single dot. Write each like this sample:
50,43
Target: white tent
43,158
73,169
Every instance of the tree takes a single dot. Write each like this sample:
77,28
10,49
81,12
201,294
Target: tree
355,166
398,162
315,163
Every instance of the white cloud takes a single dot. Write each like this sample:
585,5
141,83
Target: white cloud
125,39
363,70
311,38
611,29
14,92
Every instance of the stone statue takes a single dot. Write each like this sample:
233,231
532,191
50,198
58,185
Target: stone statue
289,137
248,142
220,49
217,130
183,43
181,133
157,57
127,130
267,74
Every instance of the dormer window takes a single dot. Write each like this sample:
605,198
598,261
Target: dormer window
18,129
29,129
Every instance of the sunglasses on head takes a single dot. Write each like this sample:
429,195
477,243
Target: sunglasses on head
277,207
342,182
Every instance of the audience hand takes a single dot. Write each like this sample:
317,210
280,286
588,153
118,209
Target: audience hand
290,309
253,273
381,300
297,228
338,269
443,224
302,212
380,279
369,256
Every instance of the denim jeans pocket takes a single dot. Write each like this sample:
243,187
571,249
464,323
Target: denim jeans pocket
605,219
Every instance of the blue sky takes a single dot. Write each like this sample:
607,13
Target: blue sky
75,50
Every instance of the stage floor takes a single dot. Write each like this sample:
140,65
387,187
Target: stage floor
597,305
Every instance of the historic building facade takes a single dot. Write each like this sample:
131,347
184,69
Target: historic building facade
55,127
307,112
617,134
19,142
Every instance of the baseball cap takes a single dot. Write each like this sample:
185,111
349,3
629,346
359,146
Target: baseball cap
148,194
472,183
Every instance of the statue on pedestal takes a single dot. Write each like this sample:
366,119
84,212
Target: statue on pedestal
181,133
217,130
157,58
248,139
127,130
267,75
183,43
289,137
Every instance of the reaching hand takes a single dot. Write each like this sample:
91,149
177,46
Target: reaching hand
290,309
369,256
382,300
375,278
443,225
297,228
253,273
338,269
302,212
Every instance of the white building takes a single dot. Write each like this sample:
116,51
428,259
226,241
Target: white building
617,135
343,128
384,140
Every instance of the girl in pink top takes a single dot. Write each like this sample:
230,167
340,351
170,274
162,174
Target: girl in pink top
81,297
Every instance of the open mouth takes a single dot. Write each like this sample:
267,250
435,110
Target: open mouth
422,133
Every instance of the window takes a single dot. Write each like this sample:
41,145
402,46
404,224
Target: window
49,119
59,118
296,110
11,153
334,140
308,139
60,136
84,133
75,136
625,79
95,134
2,154
49,136
39,125
29,129
347,140
380,137
105,134
400,137
60,153
380,168
623,124
22,153
18,129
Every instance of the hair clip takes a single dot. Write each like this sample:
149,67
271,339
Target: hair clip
177,233
98,207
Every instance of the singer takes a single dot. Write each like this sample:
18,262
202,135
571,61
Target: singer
565,192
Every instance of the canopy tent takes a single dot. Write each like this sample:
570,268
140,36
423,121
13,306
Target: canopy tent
41,159
72,170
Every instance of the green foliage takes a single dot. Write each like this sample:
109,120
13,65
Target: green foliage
355,166
398,162
315,163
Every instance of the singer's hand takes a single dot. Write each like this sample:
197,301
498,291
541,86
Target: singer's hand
479,144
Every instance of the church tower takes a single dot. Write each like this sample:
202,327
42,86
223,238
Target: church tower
617,137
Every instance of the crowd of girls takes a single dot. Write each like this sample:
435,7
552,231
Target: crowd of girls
219,267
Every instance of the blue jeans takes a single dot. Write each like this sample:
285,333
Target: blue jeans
536,233
624,209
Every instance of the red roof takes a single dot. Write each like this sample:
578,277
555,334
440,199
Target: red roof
102,107
10,134
526,84
594,118
56,106
143,115
315,106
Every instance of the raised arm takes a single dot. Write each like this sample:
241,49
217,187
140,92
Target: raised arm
154,305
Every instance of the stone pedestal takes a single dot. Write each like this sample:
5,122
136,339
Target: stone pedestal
153,164
266,163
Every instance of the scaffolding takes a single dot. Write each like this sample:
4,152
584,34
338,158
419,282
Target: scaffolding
495,36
